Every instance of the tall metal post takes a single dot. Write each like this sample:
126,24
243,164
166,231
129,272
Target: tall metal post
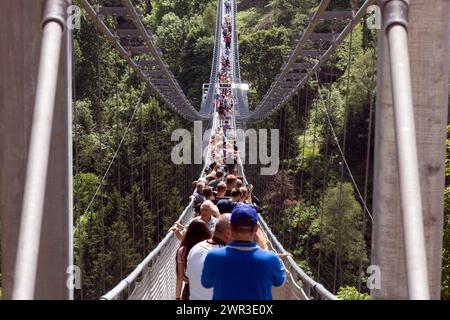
410,148
35,133
395,14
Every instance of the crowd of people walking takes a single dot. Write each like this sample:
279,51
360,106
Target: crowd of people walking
223,252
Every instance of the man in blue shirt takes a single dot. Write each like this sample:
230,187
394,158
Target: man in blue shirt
242,270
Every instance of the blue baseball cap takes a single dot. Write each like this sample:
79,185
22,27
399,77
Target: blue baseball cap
244,214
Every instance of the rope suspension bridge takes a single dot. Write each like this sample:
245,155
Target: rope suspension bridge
36,184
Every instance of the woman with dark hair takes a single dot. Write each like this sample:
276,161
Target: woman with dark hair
197,231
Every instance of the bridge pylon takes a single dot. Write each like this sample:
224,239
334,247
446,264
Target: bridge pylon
20,57
393,246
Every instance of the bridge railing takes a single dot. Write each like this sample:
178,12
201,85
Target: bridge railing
161,80
152,278
155,277
273,100
298,284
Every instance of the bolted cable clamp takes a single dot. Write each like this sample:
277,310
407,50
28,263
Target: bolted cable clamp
56,11
395,12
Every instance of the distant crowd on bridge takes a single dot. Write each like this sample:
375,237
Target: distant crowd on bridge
223,253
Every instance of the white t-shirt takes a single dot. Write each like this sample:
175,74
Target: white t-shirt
195,262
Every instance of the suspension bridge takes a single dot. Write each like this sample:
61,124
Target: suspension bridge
411,112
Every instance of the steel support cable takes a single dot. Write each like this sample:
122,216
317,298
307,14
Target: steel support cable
288,168
371,95
77,171
311,26
154,176
305,124
151,142
312,180
132,160
141,145
102,220
325,186
313,161
133,232
99,104
348,70
189,111
158,190
137,20
120,208
369,144
285,158
281,190
263,109
343,156
337,232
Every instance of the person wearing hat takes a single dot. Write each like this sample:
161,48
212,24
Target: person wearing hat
242,270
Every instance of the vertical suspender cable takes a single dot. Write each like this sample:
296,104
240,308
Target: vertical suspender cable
366,179
151,142
324,189
118,167
141,142
131,157
283,166
100,106
305,124
371,95
349,63
53,24
77,171
339,239
288,162
313,157
161,190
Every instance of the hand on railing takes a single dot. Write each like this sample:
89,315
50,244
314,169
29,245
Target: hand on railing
178,229
284,255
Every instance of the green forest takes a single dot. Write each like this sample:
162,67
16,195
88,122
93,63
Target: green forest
311,205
